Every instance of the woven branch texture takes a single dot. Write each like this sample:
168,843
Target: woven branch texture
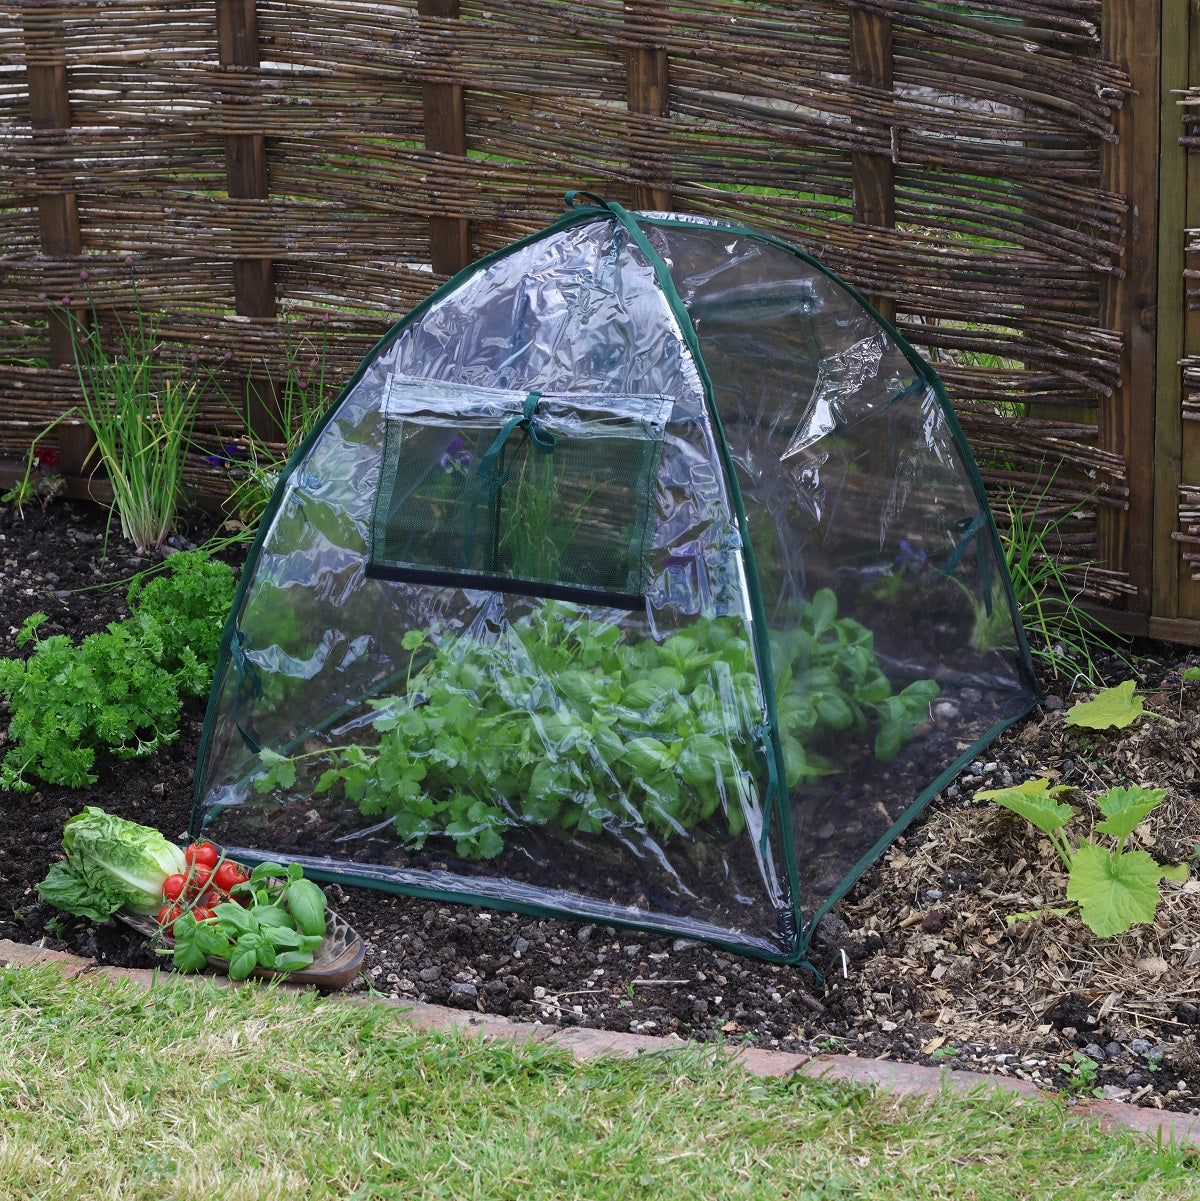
980,131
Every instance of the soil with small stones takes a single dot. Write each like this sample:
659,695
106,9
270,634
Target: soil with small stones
957,947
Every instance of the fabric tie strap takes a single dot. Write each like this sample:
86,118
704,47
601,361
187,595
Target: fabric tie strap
540,438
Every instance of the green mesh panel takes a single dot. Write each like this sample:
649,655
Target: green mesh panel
550,495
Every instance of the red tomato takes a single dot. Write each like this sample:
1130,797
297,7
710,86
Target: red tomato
197,880
228,875
202,853
166,917
202,914
173,886
212,898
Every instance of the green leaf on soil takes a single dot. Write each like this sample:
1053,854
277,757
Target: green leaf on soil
1124,808
1034,801
1112,708
1113,892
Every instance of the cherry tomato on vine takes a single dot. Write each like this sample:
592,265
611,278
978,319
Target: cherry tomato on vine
202,914
228,875
166,917
212,898
197,880
204,854
173,886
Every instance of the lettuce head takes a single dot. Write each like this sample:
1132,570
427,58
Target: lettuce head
111,863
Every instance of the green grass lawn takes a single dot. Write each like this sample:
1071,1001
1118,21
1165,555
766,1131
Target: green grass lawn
189,1091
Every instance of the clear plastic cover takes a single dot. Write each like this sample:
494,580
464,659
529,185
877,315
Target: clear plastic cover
555,613
894,644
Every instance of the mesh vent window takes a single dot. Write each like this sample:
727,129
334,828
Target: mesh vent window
550,495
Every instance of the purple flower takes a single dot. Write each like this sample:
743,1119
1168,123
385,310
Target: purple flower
910,558
225,457
456,457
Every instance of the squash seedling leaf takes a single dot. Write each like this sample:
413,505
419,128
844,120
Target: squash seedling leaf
1113,893
1034,801
1113,708
1123,808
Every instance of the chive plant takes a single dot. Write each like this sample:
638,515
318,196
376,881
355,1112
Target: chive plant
140,409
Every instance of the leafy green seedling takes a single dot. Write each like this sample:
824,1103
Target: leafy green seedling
1034,801
1191,673
561,723
1114,888
1112,708
1080,1074
1113,891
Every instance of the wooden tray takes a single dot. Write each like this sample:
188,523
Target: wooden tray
335,962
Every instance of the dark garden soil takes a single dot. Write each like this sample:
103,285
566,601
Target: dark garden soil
920,962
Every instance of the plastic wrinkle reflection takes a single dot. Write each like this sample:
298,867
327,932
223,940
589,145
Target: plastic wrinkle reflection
839,376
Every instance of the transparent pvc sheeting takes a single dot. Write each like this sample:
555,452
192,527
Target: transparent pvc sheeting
640,575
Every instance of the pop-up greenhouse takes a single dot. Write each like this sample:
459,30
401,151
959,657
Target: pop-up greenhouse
640,575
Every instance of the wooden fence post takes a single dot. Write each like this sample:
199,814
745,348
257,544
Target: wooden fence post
1176,585
1130,168
246,157
874,173
648,90
445,133
247,179
58,215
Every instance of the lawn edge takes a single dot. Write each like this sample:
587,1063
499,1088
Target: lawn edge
904,1079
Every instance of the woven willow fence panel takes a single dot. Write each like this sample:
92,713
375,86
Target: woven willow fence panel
277,182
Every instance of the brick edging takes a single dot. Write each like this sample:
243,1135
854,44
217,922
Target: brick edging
892,1075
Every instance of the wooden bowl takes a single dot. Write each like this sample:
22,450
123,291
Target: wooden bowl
335,962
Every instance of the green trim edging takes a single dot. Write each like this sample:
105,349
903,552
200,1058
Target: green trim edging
507,905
